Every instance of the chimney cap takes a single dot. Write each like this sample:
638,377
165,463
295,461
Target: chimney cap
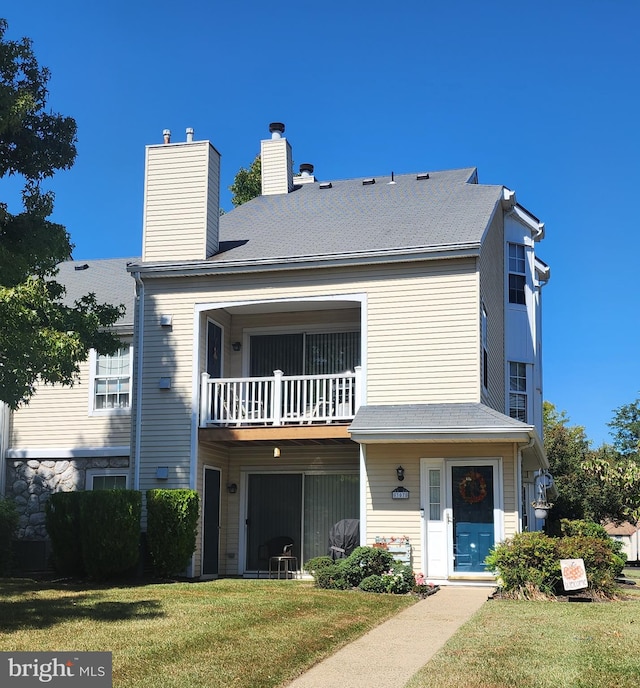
276,129
306,168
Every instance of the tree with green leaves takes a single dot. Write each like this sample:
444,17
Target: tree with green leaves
41,336
247,183
626,430
587,489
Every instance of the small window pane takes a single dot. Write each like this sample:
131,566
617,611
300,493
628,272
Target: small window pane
109,482
434,495
516,289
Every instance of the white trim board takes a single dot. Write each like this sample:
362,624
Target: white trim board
68,452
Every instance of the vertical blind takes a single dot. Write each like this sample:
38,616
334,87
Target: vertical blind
304,353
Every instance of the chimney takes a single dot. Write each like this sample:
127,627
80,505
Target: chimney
181,200
306,174
275,154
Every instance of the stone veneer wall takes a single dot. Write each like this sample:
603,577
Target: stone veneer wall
30,482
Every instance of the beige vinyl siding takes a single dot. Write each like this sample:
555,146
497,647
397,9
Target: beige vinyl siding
492,276
276,164
387,517
181,202
422,339
58,417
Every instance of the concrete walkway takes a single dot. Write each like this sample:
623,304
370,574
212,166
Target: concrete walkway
390,654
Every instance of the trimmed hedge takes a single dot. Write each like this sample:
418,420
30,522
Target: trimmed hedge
8,525
63,521
172,519
110,531
94,533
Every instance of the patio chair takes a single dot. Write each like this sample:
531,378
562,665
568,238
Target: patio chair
277,556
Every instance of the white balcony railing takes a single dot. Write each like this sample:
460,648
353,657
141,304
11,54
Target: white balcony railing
280,399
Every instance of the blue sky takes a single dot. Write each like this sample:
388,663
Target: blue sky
543,97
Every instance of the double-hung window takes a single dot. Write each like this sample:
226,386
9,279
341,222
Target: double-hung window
517,274
518,391
111,381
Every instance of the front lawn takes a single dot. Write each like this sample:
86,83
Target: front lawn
531,644
238,633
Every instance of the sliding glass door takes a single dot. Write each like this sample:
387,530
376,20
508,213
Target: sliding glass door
302,507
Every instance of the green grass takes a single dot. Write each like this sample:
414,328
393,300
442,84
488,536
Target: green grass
220,633
531,644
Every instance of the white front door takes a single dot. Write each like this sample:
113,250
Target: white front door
461,504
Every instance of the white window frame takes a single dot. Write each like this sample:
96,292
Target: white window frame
93,411
520,393
92,473
514,269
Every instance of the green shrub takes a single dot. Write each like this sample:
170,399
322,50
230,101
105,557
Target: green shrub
373,583
400,579
172,519
569,528
62,514
317,564
8,525
369,568
601,563
332,577
110,531
527,565
364,562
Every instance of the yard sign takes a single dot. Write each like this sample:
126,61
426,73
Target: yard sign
574,576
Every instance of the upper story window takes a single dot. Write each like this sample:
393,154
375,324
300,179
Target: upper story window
518,391
517,274
111,381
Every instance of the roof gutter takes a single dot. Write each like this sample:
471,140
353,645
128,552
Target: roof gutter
210,267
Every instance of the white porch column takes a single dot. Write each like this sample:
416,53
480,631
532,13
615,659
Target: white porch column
358,382
205,400
277,397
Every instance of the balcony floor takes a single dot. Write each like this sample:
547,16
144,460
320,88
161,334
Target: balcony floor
330,431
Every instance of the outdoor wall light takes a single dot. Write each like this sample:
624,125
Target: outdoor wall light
276,452
232,488
400,473
236,346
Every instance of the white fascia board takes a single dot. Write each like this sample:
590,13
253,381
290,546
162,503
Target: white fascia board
542,270
530,221
440,435
204,268
67,452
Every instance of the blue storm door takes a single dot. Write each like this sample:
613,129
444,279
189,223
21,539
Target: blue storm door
211,522
472,500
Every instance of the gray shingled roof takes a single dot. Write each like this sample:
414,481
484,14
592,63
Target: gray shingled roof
442,211
107,279
434,418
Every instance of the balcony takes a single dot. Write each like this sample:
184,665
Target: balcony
279,400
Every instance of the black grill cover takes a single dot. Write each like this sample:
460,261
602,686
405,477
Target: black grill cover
344,537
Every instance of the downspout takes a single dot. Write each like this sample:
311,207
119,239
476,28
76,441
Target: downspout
139,357
529,444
